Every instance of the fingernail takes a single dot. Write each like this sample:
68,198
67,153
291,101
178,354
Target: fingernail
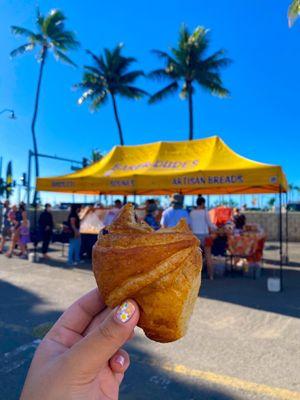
120,360
125,311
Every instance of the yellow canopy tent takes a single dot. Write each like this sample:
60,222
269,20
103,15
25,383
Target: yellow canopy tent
206,166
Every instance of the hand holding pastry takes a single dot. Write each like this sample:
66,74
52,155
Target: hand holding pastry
81,356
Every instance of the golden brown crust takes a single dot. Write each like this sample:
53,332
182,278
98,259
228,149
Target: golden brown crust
159,269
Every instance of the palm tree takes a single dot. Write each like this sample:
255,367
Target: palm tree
188,65
293,12
109,76
51,35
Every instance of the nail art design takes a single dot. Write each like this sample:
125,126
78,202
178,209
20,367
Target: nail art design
120,360
125,311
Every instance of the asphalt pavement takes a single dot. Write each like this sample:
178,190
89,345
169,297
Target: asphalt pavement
242,343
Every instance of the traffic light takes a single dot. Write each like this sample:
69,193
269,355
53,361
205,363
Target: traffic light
24,179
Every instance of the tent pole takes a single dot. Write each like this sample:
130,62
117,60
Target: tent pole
35,244
280,237
286,231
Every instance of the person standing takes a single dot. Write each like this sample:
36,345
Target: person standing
112,213
239,219
46,228
15,216
172,215
74,243
201,226
6,225
24,233
151,209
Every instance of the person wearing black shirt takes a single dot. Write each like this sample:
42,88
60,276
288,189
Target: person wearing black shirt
238,219
46,228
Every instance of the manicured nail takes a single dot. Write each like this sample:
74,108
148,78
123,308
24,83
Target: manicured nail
125,311
120,360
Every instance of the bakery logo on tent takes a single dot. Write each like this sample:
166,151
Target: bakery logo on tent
273,179
158,164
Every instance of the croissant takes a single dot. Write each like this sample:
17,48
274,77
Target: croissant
160,270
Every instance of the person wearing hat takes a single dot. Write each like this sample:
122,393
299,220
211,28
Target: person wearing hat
172,215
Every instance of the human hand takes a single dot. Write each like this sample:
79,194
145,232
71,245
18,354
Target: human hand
81,356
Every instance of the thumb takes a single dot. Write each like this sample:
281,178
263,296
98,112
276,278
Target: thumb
95,350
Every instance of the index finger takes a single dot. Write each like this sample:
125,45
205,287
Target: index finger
73,322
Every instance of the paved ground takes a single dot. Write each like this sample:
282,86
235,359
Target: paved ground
243,342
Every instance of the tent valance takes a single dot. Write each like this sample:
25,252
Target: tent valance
206,166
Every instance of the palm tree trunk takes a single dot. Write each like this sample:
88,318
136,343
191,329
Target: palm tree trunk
118,120
191,113
35,112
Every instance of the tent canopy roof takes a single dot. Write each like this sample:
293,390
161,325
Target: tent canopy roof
205,166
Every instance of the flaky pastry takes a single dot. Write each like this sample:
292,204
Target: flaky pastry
160,270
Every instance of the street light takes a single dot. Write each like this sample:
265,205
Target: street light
12,114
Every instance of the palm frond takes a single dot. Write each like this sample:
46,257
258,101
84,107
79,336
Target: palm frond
59,55
53,21
25,48
18,30
158,74
220,91
161,54
85,95
131,92
211,81
98,101
98,60
171,65
64,40
94,70
293,12
130,77
163,93
216,60
39,19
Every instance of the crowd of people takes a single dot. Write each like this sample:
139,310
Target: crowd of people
15,226
15,230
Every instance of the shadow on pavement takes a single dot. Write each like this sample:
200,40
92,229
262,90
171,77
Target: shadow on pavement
146,380
21,321
57,263
21,312
252,293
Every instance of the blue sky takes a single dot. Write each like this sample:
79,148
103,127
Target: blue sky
260,120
